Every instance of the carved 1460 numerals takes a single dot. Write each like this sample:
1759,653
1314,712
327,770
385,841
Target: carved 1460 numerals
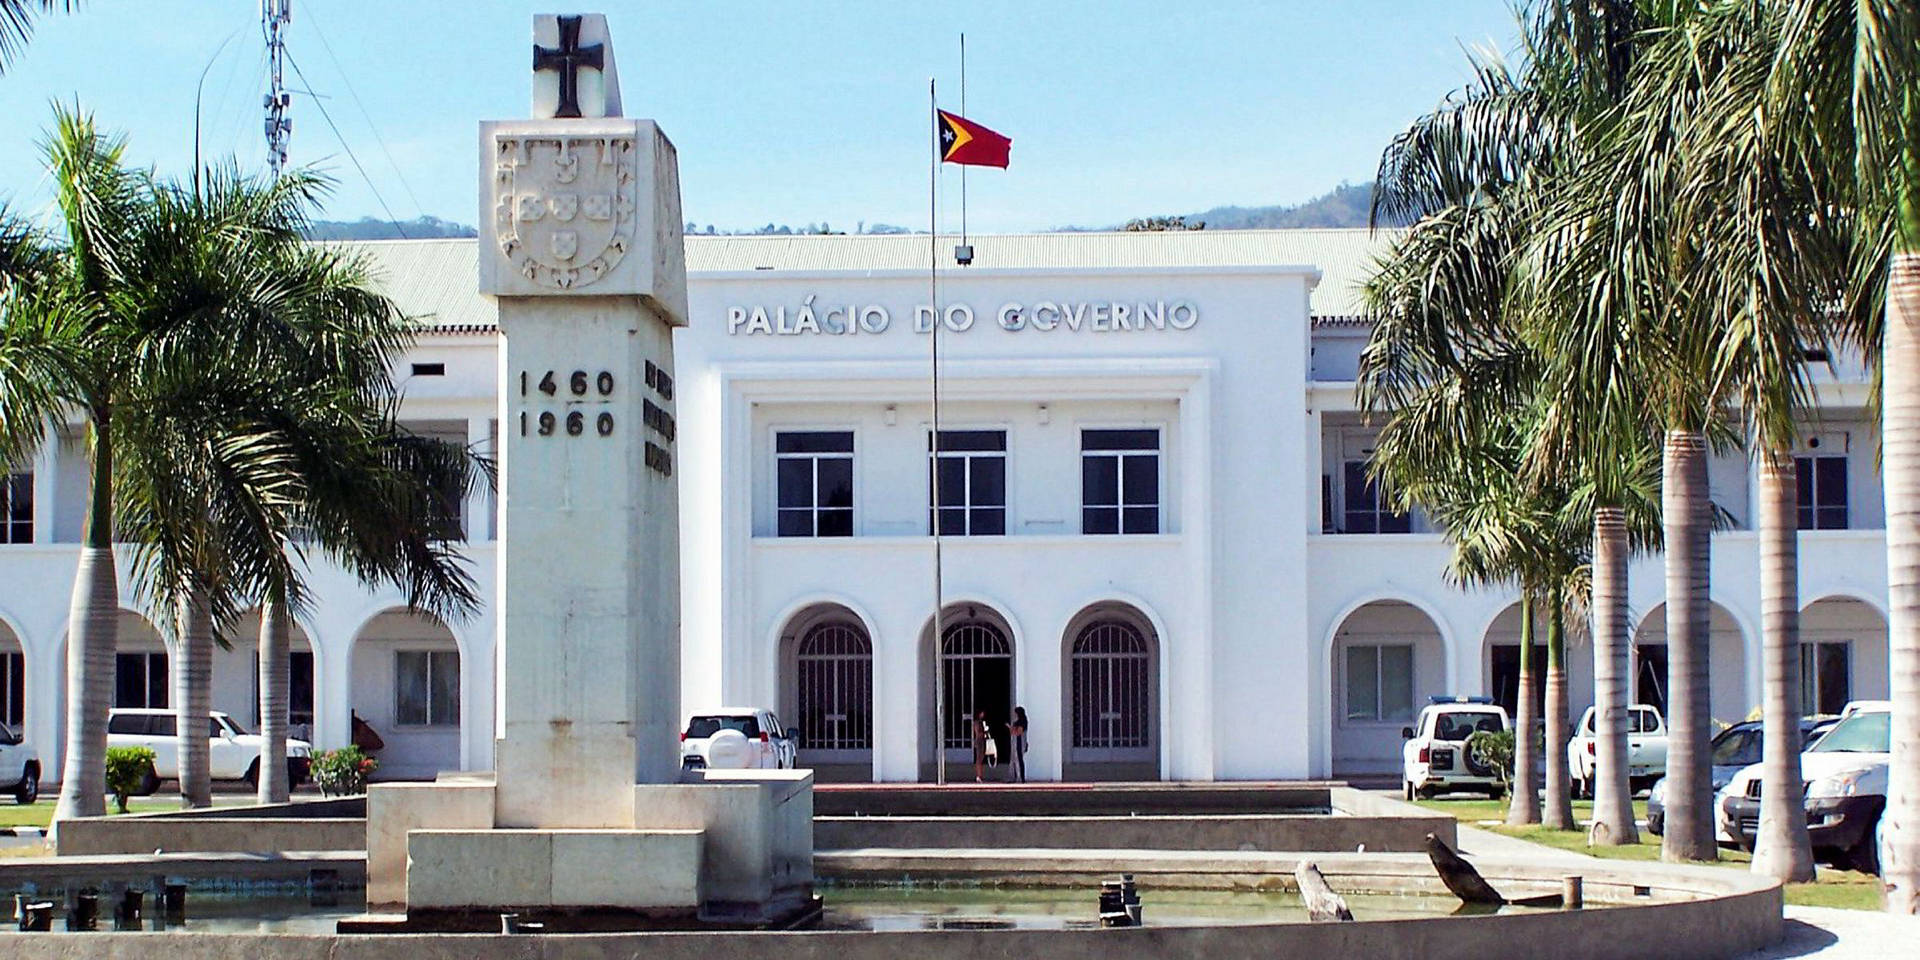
573,423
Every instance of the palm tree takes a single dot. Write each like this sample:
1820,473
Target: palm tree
293,444
171,324
1508,143
1772,239
16,23
1852,67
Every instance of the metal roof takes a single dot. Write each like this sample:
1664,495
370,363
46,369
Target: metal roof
437,279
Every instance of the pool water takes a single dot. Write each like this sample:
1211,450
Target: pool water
945,905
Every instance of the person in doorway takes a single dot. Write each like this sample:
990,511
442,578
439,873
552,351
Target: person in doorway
1017,754
979,746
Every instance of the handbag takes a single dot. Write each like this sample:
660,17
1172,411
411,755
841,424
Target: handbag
993,749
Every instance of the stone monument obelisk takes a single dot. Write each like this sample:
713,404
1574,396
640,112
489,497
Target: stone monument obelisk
586,815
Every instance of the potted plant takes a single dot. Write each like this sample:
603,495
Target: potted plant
343,772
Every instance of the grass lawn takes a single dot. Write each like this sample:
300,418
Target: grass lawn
1834,888
41,813
1474,812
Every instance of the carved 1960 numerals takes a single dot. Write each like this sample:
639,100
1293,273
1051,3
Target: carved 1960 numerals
569,389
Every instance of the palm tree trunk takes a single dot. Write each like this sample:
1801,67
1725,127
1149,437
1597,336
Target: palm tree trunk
1781,850
193,699
92,638
1558,814
1900,406
1524,806
276,645
1684,508
1612,794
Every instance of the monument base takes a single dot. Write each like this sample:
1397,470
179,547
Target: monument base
728,848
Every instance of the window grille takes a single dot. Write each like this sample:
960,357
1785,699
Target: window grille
836,688
1112,687
974,655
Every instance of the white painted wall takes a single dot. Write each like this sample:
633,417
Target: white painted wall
1246,595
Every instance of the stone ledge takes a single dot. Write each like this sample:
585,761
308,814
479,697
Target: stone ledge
486,869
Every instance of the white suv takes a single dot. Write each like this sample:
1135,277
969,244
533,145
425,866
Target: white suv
1435,757
1646,750
19,767
737,738
232,753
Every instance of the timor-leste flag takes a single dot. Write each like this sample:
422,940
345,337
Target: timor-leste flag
963,141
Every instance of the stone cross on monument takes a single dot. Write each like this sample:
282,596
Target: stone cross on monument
588,812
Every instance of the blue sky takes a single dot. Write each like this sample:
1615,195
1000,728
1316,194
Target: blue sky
787,112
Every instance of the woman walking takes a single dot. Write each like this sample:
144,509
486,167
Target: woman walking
1017,731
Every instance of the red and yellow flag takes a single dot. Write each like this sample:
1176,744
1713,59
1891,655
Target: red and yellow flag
963,141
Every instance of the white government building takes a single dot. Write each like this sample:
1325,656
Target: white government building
1160,540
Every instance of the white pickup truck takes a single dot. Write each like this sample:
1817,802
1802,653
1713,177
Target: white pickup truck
1646,750
232,753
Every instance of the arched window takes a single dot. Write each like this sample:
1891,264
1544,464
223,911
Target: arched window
979,676
835,661
1112,687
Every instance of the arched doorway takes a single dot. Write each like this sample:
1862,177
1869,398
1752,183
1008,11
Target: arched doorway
1502,661
976,664
1843,654
406,686
827,660
1388,657
1111,717
1727,665
13,679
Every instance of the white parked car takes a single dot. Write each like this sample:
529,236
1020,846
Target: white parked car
1435,758
232,753
1646,750
738,738
1845,772
19,767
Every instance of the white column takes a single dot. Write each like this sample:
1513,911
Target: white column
896,697
46,463
1189,714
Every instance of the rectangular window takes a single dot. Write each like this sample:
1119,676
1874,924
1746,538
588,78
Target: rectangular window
13,688
1380,682
814,474
1826,676
426,688
16,508
140,680
1366,510
1822,497
1119,481
967,483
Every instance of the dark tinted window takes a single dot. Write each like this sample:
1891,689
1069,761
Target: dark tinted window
131,724
699,728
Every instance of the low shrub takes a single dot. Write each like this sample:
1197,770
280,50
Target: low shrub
343,772
128,768
1493,749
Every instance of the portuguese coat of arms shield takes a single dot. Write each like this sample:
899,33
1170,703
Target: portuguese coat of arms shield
564,206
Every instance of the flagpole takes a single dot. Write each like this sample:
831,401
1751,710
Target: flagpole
933,299
963,112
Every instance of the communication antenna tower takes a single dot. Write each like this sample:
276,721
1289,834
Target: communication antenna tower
275,15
